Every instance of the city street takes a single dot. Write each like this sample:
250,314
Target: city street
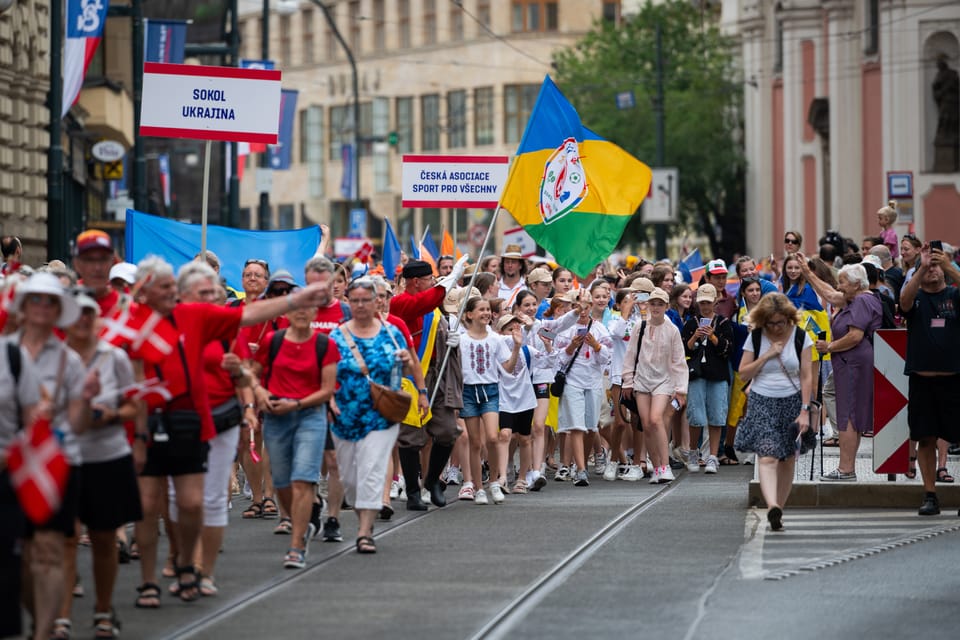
667,561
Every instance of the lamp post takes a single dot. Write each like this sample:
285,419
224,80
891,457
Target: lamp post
356,100
57,241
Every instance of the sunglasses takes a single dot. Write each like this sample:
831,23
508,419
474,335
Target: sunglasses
750,280
772,324
793,241
910,236
279,291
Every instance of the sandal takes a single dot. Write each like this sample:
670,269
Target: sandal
255,510
730,454
284,528
106,625
365,544
190,590
943,475
134,550
724,461
912,469
270,509
834,442
62,629
149,597
208,587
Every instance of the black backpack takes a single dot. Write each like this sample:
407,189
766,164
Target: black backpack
799,337
277,341
15,360
886,303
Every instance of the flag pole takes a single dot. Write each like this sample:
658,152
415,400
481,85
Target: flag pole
463,303
206,200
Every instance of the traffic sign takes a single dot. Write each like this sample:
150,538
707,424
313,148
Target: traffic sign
112,170
663,199
891,439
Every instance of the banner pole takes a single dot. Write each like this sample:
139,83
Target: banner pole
463,303
206,200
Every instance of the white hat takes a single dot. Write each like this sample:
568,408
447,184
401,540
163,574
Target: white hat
49,284
874,260
124,271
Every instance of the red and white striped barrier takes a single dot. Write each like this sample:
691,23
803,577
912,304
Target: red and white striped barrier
891,440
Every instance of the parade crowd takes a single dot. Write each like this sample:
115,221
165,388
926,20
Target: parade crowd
174,398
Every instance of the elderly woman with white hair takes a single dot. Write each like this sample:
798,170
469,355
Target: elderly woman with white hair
860,314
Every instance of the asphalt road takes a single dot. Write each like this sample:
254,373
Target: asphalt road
613,559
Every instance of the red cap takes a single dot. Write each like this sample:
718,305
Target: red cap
93,239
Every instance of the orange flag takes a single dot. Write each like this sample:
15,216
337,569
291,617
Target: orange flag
448,247
426,257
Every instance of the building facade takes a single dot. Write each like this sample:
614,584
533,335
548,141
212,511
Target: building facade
444,77
839,94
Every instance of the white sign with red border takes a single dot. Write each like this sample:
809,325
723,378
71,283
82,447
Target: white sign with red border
458,182
210,103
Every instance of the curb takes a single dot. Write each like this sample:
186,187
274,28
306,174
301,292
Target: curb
858,494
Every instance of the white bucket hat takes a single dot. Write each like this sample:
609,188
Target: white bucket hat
49,284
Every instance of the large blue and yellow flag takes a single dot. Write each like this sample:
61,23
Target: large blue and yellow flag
572,191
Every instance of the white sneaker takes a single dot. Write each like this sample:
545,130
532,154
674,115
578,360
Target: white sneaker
452,475
466,492
600,463
610,471
425,495
480,497
496,492
622,470
562,475
712,464
666,474
394,489
634,474
655,474
692,458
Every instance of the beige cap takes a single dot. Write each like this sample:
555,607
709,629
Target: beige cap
659,294
454,298
707,292
506,319
642,284
539,275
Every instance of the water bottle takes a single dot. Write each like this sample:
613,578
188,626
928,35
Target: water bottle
396,374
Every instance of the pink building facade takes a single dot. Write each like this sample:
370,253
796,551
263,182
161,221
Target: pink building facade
837,94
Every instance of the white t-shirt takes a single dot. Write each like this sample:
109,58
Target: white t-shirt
620,331
516,388
772,381
102,444
481,359
545,367
509,293
587,370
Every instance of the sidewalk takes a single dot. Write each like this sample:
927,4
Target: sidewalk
869,490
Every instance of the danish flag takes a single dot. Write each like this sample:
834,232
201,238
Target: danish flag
146,334
38,471
153,391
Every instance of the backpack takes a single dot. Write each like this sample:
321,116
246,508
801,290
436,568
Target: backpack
277,341
799,337
886,303
15,360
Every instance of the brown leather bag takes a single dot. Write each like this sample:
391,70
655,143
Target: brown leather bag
392,404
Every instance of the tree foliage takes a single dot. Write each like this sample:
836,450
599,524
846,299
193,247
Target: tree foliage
702,109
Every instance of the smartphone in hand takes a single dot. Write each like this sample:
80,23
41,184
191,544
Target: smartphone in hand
936,244
549,335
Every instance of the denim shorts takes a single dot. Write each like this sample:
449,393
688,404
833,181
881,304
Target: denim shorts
295,444
707,402
479,399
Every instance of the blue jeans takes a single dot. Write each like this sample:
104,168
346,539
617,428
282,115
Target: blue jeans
295,444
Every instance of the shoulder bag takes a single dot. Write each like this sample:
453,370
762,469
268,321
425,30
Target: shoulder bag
560,380
392,404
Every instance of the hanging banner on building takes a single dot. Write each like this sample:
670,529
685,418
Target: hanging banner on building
84,21
210,103
458,182
164,40
281,154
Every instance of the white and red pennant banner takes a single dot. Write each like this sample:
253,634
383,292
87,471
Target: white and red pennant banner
891,440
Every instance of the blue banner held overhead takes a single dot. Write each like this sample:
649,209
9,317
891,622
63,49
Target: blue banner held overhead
178,242
164,40
281,154
391,251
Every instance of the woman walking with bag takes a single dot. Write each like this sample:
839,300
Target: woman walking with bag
778,410
371,352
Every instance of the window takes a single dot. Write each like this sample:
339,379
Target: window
333,47
404,125
483,115
379,26
353,13
611,12
285,41
403,23
518,101
381,157
483,12
366,128
534,15
306,26
872,31
456,22
456,119
429,21
341,130
285,214
777,40
430,122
